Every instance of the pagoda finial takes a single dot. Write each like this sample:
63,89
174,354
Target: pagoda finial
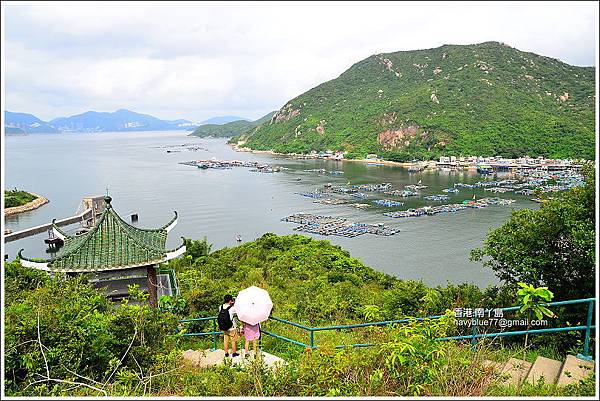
107,198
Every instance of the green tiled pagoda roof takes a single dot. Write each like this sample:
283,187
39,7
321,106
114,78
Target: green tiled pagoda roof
110,244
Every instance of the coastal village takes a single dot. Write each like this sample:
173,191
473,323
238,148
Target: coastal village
447,163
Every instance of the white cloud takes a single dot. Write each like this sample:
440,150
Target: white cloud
195,60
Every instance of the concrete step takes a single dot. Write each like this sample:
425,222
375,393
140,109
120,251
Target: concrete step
545,369
496,366
207,358
516,371
574,370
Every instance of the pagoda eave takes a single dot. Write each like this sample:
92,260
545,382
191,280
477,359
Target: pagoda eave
47,264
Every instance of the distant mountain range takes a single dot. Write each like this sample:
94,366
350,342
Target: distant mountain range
20,123
230,129
92,121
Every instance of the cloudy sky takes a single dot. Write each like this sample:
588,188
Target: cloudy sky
198,60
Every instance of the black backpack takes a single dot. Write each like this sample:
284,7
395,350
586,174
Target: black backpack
224,319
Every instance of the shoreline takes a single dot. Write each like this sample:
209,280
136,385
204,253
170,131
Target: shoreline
237,148
458,165
34,204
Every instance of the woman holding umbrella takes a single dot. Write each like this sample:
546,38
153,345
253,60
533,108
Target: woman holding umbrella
251,332
253,306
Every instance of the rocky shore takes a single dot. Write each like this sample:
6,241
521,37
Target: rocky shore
34,204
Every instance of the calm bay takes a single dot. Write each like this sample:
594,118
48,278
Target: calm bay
143,175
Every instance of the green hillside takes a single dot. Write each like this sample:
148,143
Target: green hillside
484,99
229,129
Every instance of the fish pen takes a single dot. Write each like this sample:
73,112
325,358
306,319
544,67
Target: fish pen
405,193
384,186
328,225
361,206
387,203
436,198
331,201
449,208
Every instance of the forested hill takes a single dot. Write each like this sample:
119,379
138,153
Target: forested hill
231,128
483,99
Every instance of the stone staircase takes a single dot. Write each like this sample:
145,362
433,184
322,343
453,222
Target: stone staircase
515,372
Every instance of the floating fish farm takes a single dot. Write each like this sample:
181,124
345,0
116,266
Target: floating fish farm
331,201
455,207
314,195
384,186
436,197
402,193
415,187
361,206
543,180
227,164
323,171
387,203
327,225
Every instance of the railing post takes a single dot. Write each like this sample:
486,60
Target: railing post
474,332
312,339
215,335
586,343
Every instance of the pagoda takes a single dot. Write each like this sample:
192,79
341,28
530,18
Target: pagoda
116,255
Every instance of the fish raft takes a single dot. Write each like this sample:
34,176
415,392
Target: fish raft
384,186
387,203
454,207
436,197
405,193
331,201
315,195
327,225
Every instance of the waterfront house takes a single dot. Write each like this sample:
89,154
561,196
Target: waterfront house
114,254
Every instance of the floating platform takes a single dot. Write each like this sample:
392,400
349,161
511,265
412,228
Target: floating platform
331,201
449,208
227,164
327,225
387,203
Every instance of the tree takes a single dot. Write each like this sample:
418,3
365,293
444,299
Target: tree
532,302
197,248
553,246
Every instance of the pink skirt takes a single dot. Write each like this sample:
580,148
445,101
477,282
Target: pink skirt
251,332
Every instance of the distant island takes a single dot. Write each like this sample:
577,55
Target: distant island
486,99
92,121
230,129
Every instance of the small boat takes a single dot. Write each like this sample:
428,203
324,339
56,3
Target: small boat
484,169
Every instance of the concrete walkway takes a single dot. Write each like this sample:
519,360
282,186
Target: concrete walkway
516,371
206,358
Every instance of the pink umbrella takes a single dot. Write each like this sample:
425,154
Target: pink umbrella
253,305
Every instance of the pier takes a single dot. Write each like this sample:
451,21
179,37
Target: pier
92,207
28,232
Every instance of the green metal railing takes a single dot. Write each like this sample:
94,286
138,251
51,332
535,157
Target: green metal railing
473,337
